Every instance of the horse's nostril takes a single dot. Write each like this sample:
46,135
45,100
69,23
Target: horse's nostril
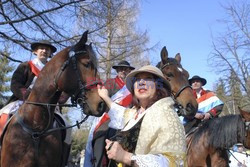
191,109
101,107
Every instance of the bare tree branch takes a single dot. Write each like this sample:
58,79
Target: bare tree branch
230,56
5,55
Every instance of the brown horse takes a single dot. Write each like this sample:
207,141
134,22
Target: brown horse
185,102
209,145
29,140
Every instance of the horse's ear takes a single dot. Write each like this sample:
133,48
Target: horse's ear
84,38
164,55
178,57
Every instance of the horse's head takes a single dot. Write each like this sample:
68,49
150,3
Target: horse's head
178,79
79,77
246,119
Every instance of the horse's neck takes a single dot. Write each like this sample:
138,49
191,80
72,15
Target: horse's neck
37,115
43,92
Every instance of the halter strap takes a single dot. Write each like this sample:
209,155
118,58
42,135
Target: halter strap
180,90
170,63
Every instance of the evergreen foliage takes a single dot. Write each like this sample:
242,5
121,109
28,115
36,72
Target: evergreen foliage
5,70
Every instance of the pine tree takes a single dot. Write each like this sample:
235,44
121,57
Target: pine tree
5,69
235,92
221,94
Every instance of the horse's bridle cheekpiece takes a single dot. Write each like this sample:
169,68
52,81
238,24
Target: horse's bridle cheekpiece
83,87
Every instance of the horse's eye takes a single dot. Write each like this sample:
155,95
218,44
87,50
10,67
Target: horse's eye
88,65
169,74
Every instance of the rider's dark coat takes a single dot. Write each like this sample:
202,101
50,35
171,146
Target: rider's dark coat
21,80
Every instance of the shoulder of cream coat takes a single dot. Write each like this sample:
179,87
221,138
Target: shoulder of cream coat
129,113
161,109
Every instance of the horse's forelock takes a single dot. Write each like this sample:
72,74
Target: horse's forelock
91,53
169,60
173,61
159,65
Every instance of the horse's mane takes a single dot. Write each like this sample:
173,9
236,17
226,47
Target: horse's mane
222,132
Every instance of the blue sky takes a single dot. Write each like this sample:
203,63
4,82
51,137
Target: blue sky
184,26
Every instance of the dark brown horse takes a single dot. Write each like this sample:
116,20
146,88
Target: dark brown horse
209,145
185,102
30,140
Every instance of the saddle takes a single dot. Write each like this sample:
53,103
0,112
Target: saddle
59,121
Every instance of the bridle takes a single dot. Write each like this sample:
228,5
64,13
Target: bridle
83,87
75,98
178,107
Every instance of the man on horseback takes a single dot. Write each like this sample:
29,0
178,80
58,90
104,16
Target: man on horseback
24,78
119,94
209,105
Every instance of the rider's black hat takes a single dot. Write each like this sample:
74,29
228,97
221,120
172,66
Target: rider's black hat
43,42
123,63
196,77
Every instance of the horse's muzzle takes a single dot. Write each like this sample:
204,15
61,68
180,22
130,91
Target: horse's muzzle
190,111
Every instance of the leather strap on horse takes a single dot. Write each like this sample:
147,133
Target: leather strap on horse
82,86
46,131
